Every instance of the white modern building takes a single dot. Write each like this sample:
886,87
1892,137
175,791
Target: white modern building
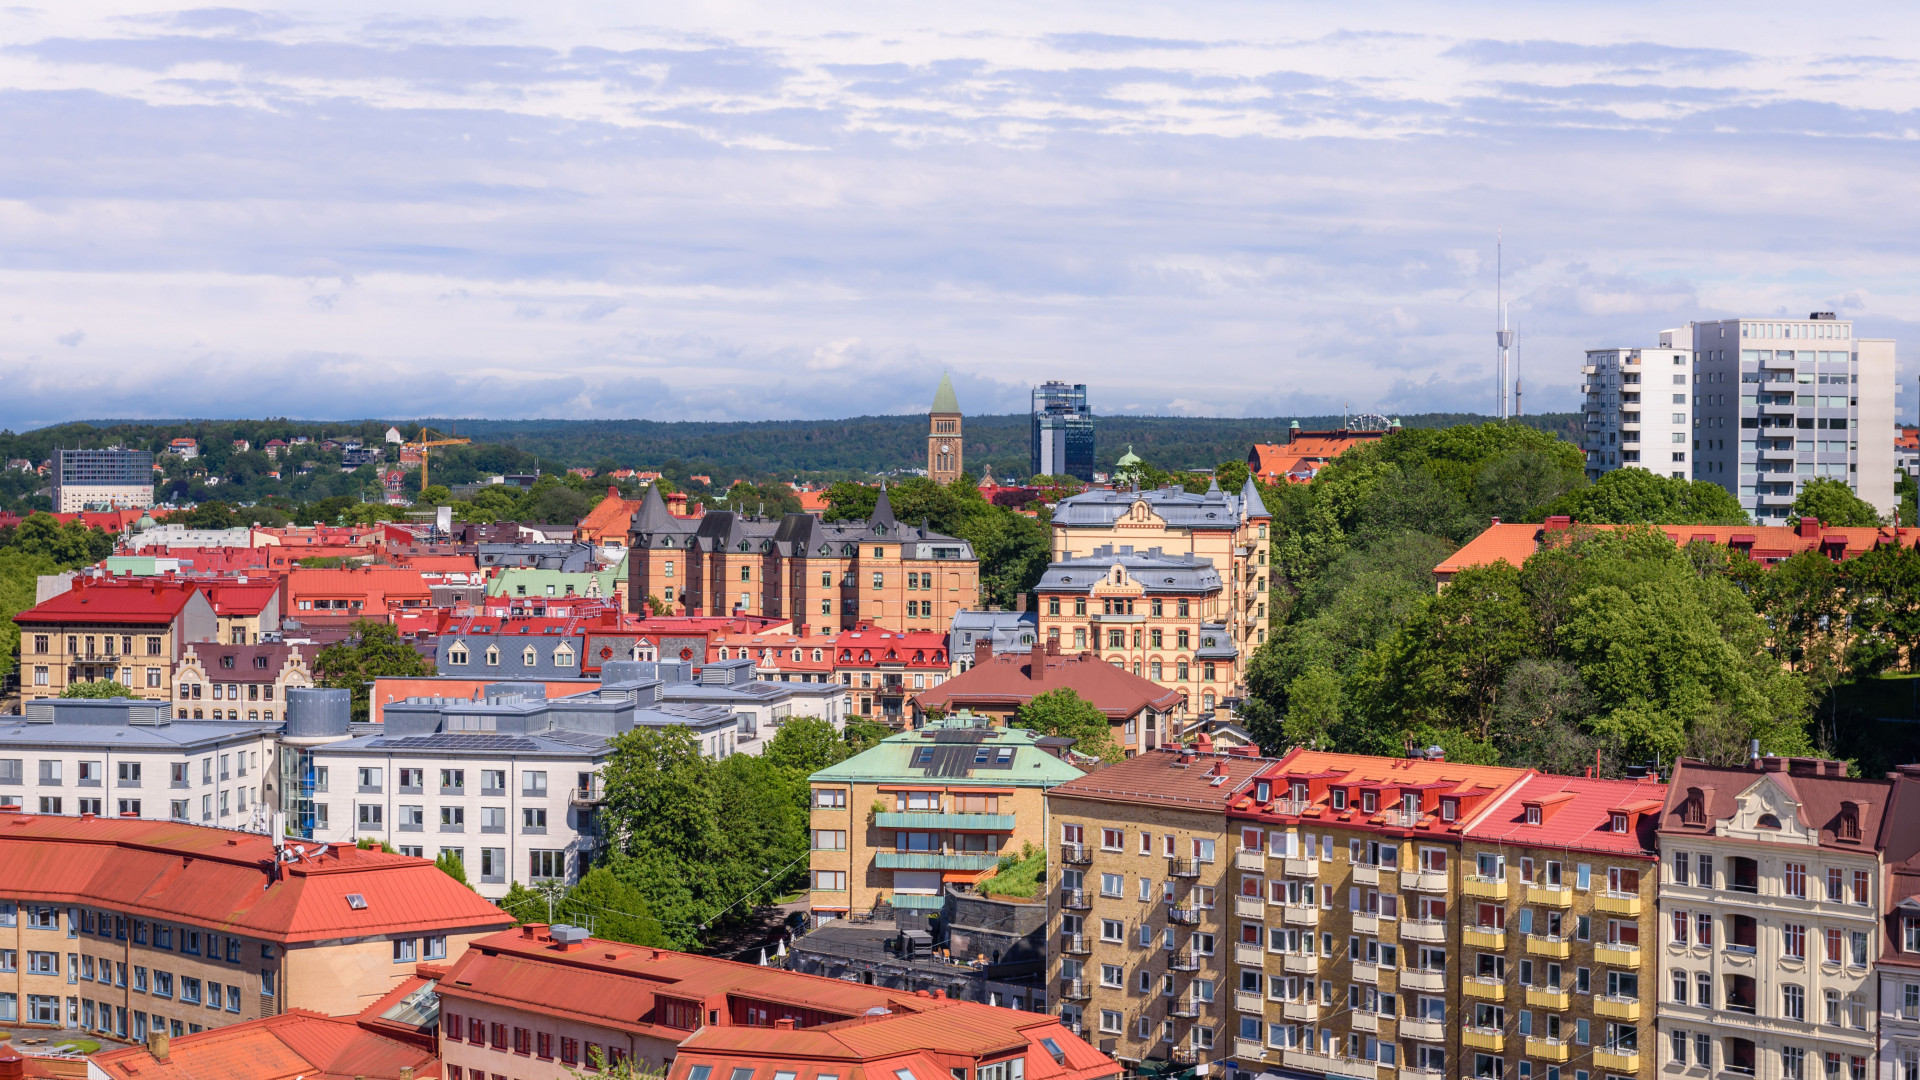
1639,412
129,757
1779,402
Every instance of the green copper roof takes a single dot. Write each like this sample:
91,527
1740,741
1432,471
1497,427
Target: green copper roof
508,581
943,399
949,751
1128,458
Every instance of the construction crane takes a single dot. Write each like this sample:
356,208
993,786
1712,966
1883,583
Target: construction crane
422,444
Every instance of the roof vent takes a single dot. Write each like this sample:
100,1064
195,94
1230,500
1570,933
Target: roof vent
356,901
569,935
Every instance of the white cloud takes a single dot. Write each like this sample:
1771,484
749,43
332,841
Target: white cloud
755,210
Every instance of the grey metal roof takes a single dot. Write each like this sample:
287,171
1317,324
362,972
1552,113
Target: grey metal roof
791,535
1211,509
1216,643
183,736
1156,572
1009,631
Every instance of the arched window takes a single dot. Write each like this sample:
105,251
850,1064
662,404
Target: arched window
1767,821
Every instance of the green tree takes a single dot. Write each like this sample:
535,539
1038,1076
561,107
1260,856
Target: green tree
861,735
1640,497
1832,503
1064,712
434,495
19,577
208,515
102,688
375,649
614,910
1314,701
69,545
805,745
450,864
494,501
1883,593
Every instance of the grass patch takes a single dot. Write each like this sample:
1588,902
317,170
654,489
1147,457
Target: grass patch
79,1046
1017,876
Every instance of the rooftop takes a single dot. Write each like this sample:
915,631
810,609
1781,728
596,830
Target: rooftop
1008,679
1169,776
1514,543
226,880
1810,796
960,750
114,601
293,1045
1575,813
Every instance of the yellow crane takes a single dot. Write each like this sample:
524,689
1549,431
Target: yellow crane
422,444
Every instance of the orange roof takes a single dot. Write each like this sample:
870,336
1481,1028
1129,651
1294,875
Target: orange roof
612,516
1470,789
1576,813
1514,542
222,879
119,600
935,1031
813,502
1298,459
296,1043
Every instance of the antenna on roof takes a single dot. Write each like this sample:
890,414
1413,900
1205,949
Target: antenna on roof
1502,336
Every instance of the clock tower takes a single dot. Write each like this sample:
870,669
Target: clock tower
943,435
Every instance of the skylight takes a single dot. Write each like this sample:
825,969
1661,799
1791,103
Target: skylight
356,901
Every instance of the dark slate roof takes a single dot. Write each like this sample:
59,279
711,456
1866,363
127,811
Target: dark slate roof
1154,570
1101,507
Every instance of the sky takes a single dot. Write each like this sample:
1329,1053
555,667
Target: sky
740,210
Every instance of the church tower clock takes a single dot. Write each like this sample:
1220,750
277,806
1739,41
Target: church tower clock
943,435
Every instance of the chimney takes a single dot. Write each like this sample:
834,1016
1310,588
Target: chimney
1809,528
982,651
1020,603
158,1046
1204,743
12,1065
406,1072
1053,647
785,1023
1559,523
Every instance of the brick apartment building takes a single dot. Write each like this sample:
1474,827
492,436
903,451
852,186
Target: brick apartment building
133,632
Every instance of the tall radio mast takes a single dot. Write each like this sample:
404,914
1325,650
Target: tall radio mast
1502,336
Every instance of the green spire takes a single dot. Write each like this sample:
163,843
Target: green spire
943,399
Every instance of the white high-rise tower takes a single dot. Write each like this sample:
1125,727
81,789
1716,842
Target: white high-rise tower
1501,335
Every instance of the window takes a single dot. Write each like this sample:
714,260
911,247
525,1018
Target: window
546,864
1793,880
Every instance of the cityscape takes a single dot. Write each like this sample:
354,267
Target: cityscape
957,545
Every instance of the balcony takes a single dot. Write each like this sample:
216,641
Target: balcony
1184,960
1484,937
1300,915
1075,854
1617,1060
933,860
1186,1055
1325,1065
1548,997
1364,923
1432,980
1300,868
1425,881
1248,1049
1183,1008
1613,903
1183,916
1255,861
1183,868
1482,888
582,797
1424,1030
1492,1040
1553,947
1617,1008
1426,930
1247,955
1076,945
916,819
1615,955
1559,896
1368,874
1548,1049
1075,899
1300,964
1300,1010
1249,1001
1364,972
1484,989
1075,989
1249,907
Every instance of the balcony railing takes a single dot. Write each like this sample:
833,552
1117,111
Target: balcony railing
1075,945
1184,916
1183,868
1074,989
1184,960
1075,854
1074,899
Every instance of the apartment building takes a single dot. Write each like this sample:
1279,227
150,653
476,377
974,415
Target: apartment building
1347,961
1557,897
827,576
1227,532
130,758
1142,611
508,782
545,1003
214,680
1639,411
1143,714
99,479
132,632
1772,898
132,928
1778,402
1898,970
1138,913
896,823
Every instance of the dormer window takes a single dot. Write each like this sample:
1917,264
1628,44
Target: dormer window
1299,792
1620,823
1339,798
1449,809
1694,810
493,656
1410,803
1533,815
1849,827
457,655
1262,791
1765,821
528,657
1369,802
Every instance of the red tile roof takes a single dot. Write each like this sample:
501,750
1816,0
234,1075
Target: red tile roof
296,1043
1300,458
1576,814
1169,777
927,1041
115,600
220,879
1473,787
1007,679
237,599
1514,543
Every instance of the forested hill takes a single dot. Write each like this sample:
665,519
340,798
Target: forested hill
768,448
